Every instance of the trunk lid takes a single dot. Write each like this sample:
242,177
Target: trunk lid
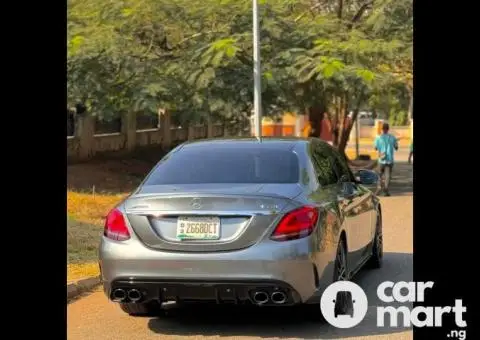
222,217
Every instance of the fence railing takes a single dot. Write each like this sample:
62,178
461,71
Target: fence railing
86,141
84,144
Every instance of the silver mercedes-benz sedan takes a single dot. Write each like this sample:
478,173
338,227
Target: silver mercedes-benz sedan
270,221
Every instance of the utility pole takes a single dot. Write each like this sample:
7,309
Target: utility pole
257,74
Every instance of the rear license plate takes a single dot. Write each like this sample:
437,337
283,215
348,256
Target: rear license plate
198,228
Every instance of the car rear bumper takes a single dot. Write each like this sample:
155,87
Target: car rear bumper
218,291
221,276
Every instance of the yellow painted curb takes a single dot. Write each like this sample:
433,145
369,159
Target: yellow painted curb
75,289
82,270
401,141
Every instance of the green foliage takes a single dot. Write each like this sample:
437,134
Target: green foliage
398,118
195,57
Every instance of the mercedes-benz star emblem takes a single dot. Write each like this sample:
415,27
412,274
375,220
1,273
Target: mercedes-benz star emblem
196,203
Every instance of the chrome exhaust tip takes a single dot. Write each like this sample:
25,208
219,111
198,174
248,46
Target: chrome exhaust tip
260,298
279,297
134,295
118,295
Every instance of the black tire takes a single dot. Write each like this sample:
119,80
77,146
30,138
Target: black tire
341,274
376,260
341,266
151,308
312,311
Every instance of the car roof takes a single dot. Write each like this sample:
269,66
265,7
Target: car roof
285,143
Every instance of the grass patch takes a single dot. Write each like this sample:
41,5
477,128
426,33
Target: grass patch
82,250
108,176
82,242
91,208
111,180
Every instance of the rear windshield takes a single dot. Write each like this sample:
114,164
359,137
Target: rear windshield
226,165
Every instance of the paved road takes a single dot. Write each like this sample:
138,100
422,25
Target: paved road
93,317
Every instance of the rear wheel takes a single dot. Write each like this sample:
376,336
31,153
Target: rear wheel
341,269
340,274
375,261
342,307
151,308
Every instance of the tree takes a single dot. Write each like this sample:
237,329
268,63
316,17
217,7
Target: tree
195,57
331,59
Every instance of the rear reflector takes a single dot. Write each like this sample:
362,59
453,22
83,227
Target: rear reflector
115,226
296,224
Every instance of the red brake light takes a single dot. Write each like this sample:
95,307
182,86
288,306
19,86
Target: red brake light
115,226
296,224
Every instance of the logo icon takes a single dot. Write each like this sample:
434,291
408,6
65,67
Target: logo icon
344,304
196,203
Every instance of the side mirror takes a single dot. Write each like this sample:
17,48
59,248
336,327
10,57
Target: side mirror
347,186
344,179
367,177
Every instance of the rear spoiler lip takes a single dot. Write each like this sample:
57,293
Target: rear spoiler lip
210,194
144,209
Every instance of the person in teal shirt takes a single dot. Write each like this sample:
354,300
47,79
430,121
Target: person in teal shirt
386,144
410,155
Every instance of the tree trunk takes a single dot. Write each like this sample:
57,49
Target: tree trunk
348,128
344,127
336,121
315,116
340,9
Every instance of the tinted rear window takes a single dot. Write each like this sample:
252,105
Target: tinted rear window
193,165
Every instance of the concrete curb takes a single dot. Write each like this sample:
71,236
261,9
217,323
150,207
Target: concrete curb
76,288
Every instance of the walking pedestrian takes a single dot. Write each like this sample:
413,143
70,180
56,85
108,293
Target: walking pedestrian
386,144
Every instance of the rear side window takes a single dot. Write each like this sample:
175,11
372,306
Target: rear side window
324,163
216,164
342,167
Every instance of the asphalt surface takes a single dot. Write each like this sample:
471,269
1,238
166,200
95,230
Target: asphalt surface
94,317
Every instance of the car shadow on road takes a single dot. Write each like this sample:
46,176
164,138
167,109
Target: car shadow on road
287,322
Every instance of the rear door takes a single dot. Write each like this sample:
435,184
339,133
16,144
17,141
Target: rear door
360,208
323,160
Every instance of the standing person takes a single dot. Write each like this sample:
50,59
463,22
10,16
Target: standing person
410,155
386,144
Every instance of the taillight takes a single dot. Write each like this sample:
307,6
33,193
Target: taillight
296,224
115,226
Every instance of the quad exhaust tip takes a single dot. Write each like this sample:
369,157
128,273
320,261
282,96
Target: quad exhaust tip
260,298
118,295
279,297
134,295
